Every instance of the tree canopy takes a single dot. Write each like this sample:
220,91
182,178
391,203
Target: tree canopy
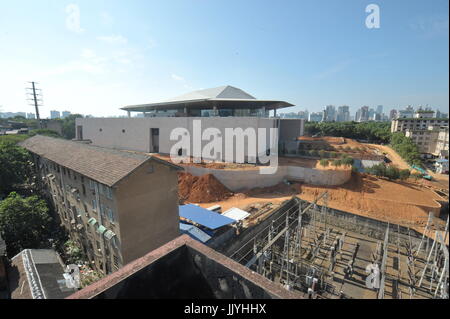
68,126
15,166
371,131
24,223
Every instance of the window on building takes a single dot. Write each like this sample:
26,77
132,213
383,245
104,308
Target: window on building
116,261
108,192
111,216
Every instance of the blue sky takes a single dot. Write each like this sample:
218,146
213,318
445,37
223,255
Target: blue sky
310,53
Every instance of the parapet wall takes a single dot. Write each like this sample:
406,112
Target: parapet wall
238,180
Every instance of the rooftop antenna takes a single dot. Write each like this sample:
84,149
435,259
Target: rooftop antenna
34,95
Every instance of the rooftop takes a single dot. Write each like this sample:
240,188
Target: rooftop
221,97
184,269
34,274
104,165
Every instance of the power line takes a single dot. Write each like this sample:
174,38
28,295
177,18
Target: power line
34,95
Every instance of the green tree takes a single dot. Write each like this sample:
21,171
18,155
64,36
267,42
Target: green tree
14,166
24,223
68,126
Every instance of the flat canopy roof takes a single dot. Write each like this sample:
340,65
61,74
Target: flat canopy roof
203,216
220,97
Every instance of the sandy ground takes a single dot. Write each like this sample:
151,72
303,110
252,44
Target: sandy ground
392,155
405,203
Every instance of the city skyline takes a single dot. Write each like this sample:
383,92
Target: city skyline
322,53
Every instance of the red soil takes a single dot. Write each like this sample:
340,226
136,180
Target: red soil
203,189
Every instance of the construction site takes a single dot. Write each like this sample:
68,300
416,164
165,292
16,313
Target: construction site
326,253
366,238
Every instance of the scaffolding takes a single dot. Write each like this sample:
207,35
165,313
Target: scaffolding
311,248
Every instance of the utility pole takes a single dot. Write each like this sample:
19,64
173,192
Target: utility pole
35,98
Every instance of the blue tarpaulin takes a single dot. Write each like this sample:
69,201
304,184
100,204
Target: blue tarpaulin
204,217
194,232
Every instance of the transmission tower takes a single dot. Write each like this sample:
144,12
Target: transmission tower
34,96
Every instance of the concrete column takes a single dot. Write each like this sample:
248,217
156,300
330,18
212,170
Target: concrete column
275,112
129,113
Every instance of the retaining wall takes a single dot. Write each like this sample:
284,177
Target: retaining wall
238,180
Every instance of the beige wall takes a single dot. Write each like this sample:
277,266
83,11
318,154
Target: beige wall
238,180
148,209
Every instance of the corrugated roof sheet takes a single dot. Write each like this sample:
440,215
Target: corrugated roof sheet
194,232
236,213
104,165
204,217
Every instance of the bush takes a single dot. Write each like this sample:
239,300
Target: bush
337,163
377,170
404,174
347,161
392,173
322,153
324,162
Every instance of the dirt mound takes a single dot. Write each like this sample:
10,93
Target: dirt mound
203,189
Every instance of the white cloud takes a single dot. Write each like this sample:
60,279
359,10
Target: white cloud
333,70
73,18
113,39
106,19
177,77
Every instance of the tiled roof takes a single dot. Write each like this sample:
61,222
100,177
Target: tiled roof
104,165
35,274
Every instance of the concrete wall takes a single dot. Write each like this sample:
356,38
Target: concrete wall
134,133
291,129
148,209
237,180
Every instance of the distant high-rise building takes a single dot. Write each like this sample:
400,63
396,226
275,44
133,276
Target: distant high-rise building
371,114
379,109
31,116
55,115
362,115
315,116
343,114
393,114
65,114
12,114
329,114
303,114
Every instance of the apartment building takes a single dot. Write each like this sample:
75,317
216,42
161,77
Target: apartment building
117,205
416,123
432,142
